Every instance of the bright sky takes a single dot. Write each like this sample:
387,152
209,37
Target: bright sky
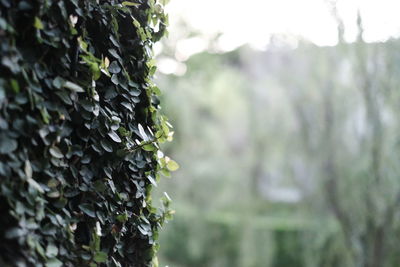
253,21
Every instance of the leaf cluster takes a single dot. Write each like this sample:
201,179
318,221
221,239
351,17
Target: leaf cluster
79,132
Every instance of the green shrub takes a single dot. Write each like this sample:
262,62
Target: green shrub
79,132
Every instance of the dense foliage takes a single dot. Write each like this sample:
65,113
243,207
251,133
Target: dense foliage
80,128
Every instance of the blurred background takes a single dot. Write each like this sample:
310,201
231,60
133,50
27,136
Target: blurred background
287,130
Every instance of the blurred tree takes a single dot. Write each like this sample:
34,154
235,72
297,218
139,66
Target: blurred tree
293,156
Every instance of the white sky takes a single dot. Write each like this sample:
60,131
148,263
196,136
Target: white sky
253,21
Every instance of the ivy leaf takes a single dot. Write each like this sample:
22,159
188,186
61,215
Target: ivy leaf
114,136
149,147
152,180
63,95
114,79
126,3
54,262
122,217
73,87
114,53
58,82
38,24
172,165
35,185
15,86
51,250
100,257
143,133
56,152
106,145
134,92
87,209
127,105
7,145
114,67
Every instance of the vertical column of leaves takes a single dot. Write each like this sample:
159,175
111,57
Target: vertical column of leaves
79,132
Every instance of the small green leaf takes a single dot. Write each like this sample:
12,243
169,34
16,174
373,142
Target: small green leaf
100,257
149,147
45,115
14,85
38,24
126,3
96,72
165,172
156,90
172,165
122,217
82,44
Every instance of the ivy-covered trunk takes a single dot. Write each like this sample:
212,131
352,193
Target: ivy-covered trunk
79,132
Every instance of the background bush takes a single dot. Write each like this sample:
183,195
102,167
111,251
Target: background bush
79,134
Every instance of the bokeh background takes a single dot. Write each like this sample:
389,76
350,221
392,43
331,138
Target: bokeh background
287,130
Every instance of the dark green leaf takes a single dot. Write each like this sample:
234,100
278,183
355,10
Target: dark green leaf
106,145
87,209
114,79
73,87
7,145
114,67
100,257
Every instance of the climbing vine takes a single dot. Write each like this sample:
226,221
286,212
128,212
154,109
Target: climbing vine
80,130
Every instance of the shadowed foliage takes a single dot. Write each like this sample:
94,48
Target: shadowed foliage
79,133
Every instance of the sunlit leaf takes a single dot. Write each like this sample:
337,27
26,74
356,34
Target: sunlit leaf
172,165
127,3
114,136
38,24
56,152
